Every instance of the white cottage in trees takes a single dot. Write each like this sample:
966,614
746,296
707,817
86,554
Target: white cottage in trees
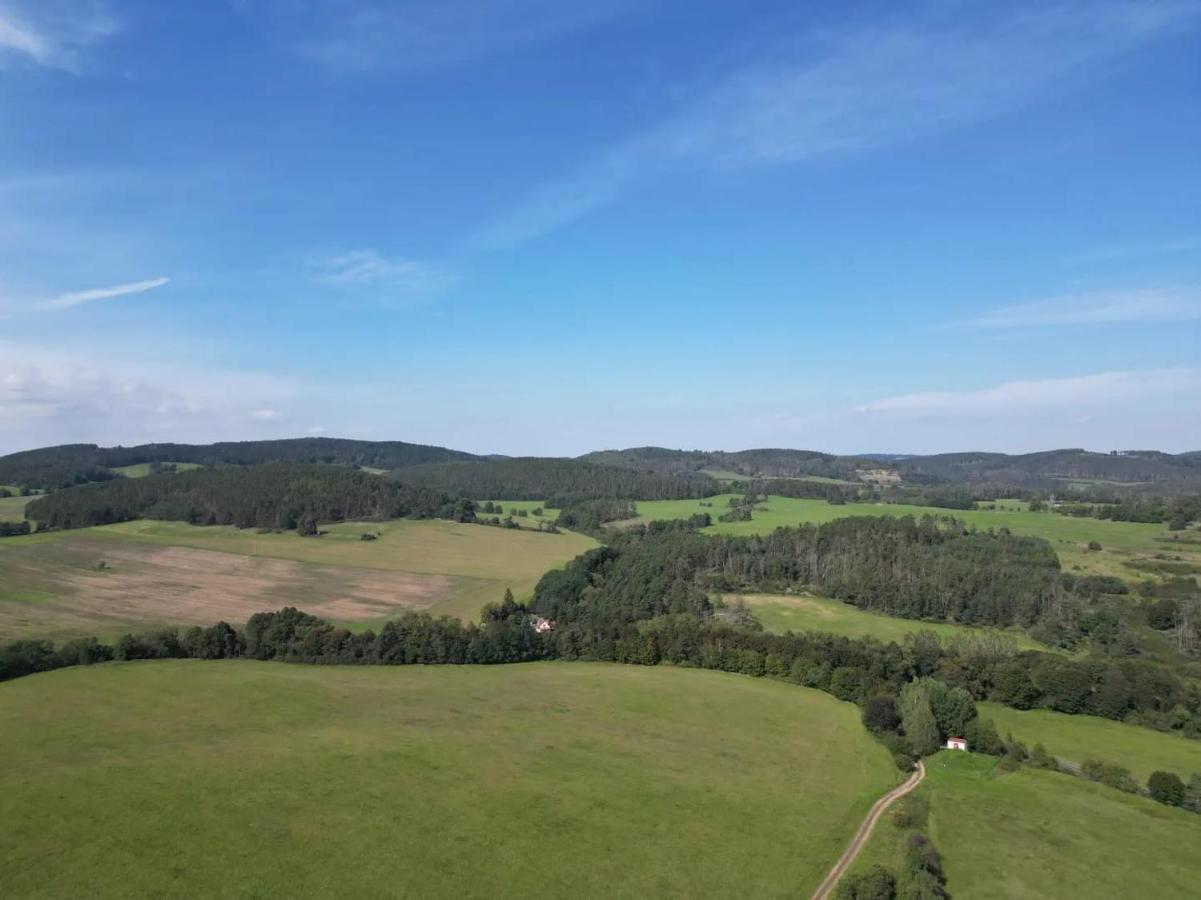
956,743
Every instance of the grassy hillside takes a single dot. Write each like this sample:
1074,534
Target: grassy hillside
779,613
141,470
1120,541
538,780
1037,834
169,573
12,509
1077,738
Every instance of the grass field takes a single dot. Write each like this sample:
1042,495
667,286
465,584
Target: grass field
168,573
244,779
1120,541
730,475
779,613
141,470
12,509
512,506
1077,738
1038,834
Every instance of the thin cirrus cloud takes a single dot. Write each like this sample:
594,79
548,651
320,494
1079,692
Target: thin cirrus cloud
76,298
1073,395
862,90
51,394
409,34
388,280
55,34
1098,308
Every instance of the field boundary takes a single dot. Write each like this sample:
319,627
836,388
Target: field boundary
865,831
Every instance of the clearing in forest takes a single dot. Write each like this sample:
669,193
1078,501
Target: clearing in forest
778,613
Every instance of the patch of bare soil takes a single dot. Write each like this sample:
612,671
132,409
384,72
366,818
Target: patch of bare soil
179,585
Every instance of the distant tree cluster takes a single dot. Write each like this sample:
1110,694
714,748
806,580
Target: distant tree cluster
1177,512
271,496
13,529
590,516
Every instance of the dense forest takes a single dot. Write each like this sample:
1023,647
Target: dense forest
51,468
537,478
269,496
929,569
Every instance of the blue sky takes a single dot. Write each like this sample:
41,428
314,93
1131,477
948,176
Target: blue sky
528,226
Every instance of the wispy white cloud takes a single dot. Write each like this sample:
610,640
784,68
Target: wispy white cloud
1100,307
858,91
1069,396
407,34
53,394
53,33
388,280
75,298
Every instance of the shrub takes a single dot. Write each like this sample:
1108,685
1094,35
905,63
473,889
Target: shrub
1166,787
1041,759
877,883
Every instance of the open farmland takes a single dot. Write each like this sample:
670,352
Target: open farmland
12,509
1039,834
778,613
497,781
1078,738
1120,541
169,573
141,470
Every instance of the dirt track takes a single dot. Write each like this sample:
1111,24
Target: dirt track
865,831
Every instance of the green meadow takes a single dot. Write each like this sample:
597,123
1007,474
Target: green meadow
1038,834
1070,536
529,520
779,613
245,779
141,470
1078,738
12,509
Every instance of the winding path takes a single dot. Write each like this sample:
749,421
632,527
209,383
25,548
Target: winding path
826,888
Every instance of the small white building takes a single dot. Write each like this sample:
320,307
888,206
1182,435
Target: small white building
542,625
956,743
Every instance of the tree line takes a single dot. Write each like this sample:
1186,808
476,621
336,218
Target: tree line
535,478
271,496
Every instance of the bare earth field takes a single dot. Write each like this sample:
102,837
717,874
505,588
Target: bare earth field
66,591
105,581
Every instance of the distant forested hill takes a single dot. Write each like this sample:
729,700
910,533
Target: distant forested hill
270,496
70,464
1045,470
538,478
763,463
1131,466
